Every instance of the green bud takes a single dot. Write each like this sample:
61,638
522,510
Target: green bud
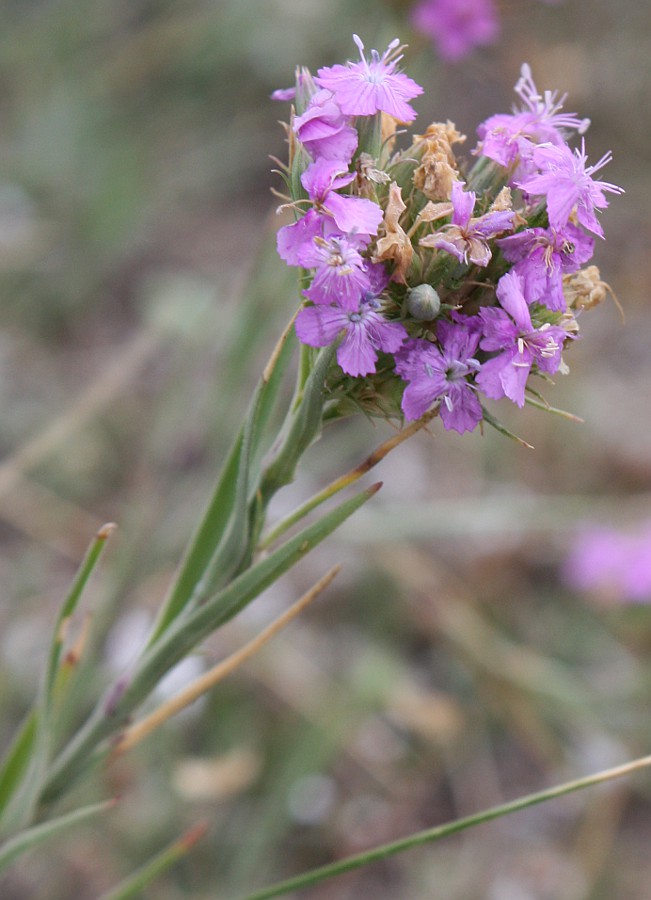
423,303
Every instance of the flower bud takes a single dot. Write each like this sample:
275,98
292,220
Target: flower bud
423,303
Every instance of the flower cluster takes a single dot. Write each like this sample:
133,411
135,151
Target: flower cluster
457,27
438,282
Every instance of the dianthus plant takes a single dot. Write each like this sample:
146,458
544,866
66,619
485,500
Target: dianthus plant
441,283
430,287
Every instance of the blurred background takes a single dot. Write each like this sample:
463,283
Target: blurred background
451,666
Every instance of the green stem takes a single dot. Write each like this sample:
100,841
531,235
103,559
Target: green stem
440,831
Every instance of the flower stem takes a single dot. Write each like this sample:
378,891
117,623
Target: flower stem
440,831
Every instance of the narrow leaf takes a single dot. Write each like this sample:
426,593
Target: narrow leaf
228,602
504,430
301,429
32,837
540,403
433,834
181,637
134,884
86,569
217,515
16,761
23,775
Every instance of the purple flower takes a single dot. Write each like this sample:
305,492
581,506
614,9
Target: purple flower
435,374
506,138
542,256
356,215
465,237
341,273
369,86
567,184
292,240
304,88
510,331
614,564
456,26
324,131
283,94
365,333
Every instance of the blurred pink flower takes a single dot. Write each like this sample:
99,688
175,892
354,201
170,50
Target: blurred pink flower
612,563
456,26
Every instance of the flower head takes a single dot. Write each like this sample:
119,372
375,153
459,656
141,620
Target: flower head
372,85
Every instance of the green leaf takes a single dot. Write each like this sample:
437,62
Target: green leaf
133,885
492,421
70,604
184,634
301,428
433,834
539,402
32,837
24,771
17,759
220,608
217,517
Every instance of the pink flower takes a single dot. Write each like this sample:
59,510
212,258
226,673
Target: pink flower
341,273
369,86
543,256
612,563
507,137
434,374
567,183
322,179
456,26
324,130
365,333
511,331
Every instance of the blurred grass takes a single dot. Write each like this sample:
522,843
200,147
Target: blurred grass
449,669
